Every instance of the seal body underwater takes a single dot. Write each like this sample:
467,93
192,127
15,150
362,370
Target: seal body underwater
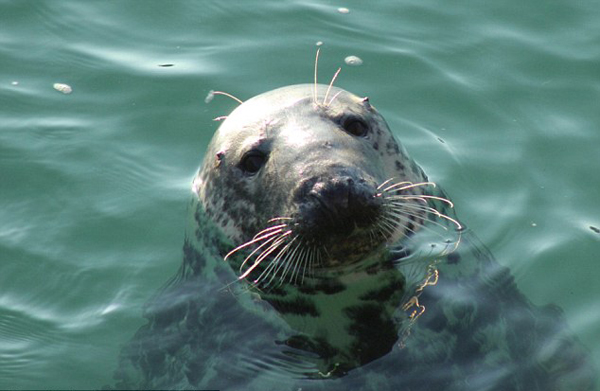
320,256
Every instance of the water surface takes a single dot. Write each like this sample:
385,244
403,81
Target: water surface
497,102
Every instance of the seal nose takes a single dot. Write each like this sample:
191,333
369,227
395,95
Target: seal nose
341,204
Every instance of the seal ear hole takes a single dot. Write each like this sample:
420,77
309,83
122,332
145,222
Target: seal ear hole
355,126
252,161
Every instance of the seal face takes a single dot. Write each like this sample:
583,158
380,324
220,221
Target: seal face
310,184
319,172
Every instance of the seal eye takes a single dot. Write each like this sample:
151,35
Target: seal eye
252,161
356,127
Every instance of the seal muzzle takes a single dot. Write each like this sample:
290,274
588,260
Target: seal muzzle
338,207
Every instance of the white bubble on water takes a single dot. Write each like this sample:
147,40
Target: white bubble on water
353,60
62,87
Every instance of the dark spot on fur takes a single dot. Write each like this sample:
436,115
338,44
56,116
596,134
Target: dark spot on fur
415,168
399,165
376,268
385,293
392,147
307,289
330,287
297,306
374,331
376,146
275,291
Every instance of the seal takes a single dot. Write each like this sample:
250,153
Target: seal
317,189
319,255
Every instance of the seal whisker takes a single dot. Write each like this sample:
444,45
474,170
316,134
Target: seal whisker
430,210
385,183
316,71
229,96
278,263
382,232
311,264
372,237
381,227
402,225
249,243
298,264
279,219
422,197
277,227
288,265
406,206
307,263
257,249
409,185
450,219
399,216
391,225
334,97
266,253
330,85
394,186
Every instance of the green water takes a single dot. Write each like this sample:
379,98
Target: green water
498,102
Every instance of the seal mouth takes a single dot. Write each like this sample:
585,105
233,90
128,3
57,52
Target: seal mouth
341,222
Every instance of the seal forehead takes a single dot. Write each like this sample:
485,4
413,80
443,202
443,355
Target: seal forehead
280,103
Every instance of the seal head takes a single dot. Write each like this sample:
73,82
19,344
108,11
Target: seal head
306,169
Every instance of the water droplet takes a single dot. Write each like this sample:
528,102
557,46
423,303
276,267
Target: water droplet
353,60
64,88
